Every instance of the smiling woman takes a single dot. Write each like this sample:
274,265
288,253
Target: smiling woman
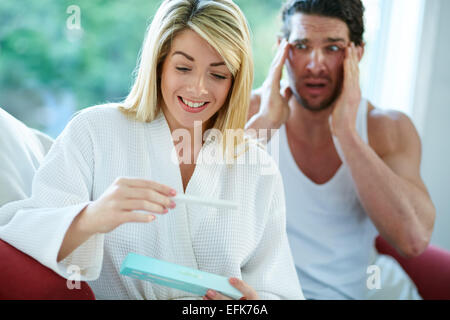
111,173
195,82
226,42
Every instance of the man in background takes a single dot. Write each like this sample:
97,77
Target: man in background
351,171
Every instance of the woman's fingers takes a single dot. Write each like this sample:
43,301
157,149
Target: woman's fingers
214,295
147,184
248,292
142,205
138,217
149,195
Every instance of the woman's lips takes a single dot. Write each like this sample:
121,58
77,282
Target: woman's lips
190,109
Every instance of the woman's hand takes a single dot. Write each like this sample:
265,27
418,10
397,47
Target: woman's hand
248,293
119,203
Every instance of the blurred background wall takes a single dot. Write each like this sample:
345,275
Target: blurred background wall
435,89
59,56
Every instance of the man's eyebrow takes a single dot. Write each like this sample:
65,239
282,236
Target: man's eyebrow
327,40
303,40
216,64
336,40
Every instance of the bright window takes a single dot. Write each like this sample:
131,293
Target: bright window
393,34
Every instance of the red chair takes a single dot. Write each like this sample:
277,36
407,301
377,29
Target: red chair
430,271
24,278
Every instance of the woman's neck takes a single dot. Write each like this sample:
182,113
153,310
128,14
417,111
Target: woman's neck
188,141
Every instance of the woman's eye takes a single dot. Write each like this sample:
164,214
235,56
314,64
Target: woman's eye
218,76
182,69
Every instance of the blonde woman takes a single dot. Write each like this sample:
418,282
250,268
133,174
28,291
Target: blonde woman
106,187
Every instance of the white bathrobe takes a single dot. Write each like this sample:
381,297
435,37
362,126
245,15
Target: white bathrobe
101,144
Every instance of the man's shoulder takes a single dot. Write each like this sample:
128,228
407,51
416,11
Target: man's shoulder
387,120
389,130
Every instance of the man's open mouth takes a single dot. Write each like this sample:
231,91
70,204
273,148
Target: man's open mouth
313,83
320,85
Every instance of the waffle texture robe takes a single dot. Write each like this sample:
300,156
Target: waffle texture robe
99,145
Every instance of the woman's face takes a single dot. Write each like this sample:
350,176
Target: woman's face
194,82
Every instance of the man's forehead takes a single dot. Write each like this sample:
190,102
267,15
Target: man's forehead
313,27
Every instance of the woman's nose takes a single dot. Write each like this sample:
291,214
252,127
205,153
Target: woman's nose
198,87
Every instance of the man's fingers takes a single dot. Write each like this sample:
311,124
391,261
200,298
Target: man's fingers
355,57
280,57
351,66
352,57
347,64
276,70
354,66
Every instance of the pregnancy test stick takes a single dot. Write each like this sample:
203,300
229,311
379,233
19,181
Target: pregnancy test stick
222,204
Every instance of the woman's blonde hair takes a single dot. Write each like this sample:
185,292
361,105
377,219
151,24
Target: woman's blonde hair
223,25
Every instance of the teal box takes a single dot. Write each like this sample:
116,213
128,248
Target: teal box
176,276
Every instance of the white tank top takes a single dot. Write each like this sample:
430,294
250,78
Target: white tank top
330,234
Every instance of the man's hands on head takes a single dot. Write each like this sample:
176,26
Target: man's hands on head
346,106
273,109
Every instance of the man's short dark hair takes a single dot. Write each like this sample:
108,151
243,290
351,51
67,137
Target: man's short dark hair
349,11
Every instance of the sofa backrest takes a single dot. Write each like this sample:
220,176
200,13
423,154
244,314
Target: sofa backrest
22,150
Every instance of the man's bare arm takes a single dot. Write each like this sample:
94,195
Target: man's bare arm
389,183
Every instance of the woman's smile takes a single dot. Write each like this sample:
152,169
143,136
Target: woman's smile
195,81
192,106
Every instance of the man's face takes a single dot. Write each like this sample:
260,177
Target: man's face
315,61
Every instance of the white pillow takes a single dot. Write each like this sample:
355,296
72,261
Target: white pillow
21,151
